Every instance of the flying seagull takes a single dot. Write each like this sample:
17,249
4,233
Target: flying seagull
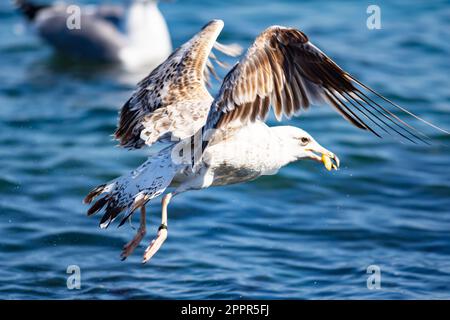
134,36
282,71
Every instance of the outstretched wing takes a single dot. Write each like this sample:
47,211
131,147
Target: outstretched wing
284,70
175,91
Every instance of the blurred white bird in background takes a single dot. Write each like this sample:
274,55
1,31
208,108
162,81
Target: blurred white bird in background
134,36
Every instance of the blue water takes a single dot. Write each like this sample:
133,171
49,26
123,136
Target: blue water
302,234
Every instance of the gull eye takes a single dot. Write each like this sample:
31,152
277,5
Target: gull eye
304,141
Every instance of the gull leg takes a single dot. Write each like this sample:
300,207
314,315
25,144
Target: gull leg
162,231
130,246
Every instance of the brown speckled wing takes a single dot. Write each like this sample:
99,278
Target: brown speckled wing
285,71
174,95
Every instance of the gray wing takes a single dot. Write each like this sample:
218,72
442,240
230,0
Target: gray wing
173,100
285,71
97,39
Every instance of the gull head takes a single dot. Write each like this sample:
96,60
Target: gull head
301,145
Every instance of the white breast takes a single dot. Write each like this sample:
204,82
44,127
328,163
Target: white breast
250,152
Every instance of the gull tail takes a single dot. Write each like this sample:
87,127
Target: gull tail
131,191
29,9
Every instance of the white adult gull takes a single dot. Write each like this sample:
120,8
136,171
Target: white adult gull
282,70
134,36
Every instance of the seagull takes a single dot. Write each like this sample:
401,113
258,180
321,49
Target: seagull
222,140
135,36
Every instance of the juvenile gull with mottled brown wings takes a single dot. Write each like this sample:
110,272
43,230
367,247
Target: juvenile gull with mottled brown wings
282,70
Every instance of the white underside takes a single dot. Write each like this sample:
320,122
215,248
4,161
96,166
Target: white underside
255,150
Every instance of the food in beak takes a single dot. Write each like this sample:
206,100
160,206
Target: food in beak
328,162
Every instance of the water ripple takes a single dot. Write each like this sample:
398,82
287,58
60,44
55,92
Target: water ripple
301,234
